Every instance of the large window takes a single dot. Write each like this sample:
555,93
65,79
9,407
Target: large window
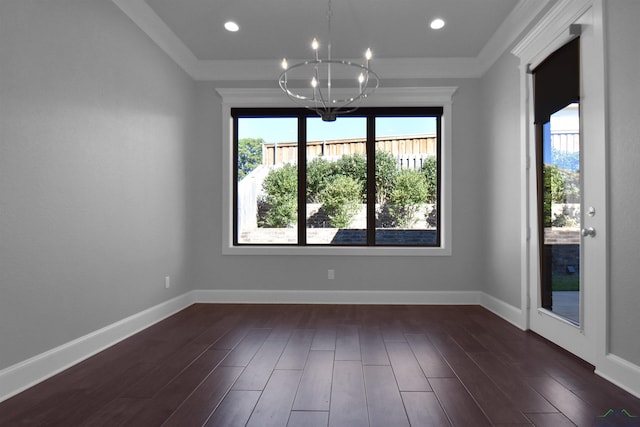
371,178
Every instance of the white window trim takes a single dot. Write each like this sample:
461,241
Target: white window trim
384,97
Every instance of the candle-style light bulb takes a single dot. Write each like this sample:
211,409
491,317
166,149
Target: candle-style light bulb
368,55
314,82
285,64
361,78
314,44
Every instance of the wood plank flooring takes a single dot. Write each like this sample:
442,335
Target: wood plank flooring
324,365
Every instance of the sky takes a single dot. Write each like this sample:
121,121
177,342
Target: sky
285,129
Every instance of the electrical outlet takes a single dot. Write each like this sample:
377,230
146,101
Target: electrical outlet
167,282
331,274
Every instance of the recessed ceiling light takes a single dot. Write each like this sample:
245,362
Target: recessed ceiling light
231,26
436,24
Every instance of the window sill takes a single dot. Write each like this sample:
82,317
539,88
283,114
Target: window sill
336,251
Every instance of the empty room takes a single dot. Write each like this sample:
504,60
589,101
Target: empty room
334,213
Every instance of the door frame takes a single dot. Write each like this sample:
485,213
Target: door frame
563,22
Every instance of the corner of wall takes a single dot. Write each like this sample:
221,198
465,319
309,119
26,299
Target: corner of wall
514,315
25,374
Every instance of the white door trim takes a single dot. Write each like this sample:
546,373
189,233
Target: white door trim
553,31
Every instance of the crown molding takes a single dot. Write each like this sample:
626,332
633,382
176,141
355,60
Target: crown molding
523,15
396,68
390,68
152,25
551,31
388,97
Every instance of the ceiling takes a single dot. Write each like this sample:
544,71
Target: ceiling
398,33
271,29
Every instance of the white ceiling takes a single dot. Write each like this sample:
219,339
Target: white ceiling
192,33
271,29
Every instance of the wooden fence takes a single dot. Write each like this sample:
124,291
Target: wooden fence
408,148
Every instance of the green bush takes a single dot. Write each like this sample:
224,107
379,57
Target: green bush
554,191
341,187
249,155
560,186
571,185
409,192
320,173
354,166
430,170
281,199
386,170
554,184
341,200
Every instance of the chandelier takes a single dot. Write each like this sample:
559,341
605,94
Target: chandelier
318,94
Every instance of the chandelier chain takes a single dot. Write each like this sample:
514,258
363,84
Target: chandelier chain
329,15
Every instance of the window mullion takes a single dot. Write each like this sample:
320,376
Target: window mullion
439,178
235,180
302,180
371,180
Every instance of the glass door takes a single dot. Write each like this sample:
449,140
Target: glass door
566,190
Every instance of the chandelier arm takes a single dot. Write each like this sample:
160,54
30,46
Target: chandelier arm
297,98
302,101
319,102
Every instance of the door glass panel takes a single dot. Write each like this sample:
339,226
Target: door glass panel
267,199
337,181
561,214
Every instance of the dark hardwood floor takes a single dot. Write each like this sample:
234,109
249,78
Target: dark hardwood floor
325,365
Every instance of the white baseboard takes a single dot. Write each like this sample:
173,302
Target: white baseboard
508,312
30,372
620,372
23,375
337,297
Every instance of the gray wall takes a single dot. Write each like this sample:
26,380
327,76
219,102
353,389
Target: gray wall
94,122
623,60
501,115
110,179
462,271
502,170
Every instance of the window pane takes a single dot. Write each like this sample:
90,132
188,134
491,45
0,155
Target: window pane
406,180
340,201
267,201
336,181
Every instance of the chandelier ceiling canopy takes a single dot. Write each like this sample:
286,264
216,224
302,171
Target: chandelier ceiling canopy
320,90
